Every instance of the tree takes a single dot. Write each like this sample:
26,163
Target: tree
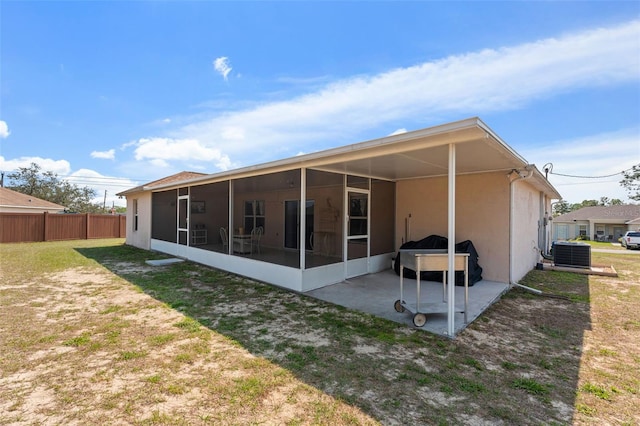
48,186
631,182
606,201
561,207
584,203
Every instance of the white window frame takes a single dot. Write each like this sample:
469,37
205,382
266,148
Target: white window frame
254,216
135,214
582,230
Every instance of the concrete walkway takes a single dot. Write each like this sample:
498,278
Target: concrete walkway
376,294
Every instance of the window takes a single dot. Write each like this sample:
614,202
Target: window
253,215
582,230
135,214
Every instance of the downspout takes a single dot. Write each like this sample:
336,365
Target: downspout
519,175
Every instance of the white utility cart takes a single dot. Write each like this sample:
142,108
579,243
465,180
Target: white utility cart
422,260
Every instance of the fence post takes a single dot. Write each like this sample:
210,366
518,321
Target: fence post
86,237
45,228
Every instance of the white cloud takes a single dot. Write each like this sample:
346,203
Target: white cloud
82,177
233,133
470,84
126,145
398,132
499,79
159,163
4,130
108,155
160,151
60,167
221,65
101,183
596,155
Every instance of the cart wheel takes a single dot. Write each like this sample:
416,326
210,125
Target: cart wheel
398,306
419,320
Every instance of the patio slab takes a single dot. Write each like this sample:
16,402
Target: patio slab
376,293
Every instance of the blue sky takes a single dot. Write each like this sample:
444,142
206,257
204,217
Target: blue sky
116,94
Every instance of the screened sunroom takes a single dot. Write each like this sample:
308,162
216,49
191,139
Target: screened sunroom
257,225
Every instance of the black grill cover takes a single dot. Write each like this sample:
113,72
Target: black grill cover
442,243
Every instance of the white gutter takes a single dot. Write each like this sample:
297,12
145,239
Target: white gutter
18,208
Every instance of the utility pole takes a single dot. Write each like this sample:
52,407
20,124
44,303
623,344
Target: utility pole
104,203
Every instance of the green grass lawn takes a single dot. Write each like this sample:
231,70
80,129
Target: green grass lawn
91,334
602,244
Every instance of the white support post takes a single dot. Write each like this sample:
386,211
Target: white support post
451,276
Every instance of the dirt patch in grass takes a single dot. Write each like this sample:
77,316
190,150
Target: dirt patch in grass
83,346
109,337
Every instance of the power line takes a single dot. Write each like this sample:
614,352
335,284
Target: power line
75,176
109,183
548,168
584,183
95,178
589,177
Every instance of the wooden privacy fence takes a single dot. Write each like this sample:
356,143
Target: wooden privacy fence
30,227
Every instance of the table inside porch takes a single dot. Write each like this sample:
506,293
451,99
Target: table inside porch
242,243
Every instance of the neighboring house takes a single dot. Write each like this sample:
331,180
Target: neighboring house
16,202
361,203
597,223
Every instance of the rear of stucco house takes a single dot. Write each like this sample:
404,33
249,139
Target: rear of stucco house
362,202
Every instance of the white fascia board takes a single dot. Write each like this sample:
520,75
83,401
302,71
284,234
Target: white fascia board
501,142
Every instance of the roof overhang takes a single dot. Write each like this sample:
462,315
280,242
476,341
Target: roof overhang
417,154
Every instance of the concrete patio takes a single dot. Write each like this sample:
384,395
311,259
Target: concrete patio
376,293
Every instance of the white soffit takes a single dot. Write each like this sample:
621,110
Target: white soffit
421,153
476,155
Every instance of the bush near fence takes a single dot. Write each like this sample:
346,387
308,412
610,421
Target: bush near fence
32,227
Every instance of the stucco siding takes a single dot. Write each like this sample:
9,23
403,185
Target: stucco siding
482,216
142,236
526,219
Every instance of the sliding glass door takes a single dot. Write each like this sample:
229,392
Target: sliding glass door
292,224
